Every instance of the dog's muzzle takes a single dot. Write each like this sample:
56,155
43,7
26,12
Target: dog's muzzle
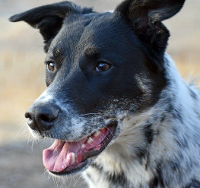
41,116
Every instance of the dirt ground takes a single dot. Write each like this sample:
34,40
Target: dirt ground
21,167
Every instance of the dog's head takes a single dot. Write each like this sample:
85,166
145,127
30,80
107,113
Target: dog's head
100,67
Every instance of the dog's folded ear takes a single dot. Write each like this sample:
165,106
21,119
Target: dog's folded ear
145,17
49,18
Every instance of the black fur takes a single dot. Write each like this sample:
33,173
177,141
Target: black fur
194,184
118,180
154,182
101,33
158,179
145,17
49,18
148,132
135,27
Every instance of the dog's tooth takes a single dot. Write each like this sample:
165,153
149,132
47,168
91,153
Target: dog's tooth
73,158
63,167
97,133
90,140
83,146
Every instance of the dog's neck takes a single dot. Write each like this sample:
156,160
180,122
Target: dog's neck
152,144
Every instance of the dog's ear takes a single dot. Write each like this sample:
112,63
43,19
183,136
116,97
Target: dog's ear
145,17
49,18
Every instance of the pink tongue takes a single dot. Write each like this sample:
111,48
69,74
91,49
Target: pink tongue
59,156
62,155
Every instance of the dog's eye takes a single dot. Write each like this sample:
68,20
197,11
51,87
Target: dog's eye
51,66
103,66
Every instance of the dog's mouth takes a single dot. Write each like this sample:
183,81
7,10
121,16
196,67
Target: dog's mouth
64,158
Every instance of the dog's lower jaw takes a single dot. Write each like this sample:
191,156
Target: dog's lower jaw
119,165
66,158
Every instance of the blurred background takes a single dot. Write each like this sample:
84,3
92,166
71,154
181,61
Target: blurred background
22,81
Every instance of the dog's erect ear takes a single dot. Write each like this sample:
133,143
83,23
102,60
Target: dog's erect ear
49,18
145,16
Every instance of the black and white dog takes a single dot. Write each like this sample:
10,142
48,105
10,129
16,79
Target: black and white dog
115,104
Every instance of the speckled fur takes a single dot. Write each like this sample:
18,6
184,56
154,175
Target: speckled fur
157,148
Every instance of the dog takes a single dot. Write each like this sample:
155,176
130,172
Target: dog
115,104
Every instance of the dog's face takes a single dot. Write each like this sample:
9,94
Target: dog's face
99,69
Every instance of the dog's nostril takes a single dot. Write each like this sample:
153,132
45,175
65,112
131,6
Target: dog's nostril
28,116
47,117
29,119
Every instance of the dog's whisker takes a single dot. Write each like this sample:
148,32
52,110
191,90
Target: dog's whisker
23,130
91,114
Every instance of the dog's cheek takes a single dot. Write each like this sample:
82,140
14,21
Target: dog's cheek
48,77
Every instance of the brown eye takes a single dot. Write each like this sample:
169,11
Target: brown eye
51,66
102,67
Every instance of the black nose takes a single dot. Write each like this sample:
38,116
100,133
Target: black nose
41,117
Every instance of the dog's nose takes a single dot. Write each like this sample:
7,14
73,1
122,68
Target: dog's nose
42,117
